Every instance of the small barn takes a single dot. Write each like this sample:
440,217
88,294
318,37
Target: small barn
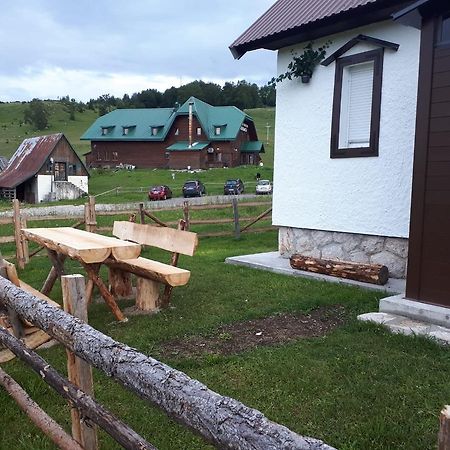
196,134
44,168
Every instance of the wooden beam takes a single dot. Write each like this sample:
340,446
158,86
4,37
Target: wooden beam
91,410
79,372
169,239
37,415
225,422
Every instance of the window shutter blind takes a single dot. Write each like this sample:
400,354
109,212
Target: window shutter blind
360,104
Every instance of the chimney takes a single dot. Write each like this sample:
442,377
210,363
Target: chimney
190,123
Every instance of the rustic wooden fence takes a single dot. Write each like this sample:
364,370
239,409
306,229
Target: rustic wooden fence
237,222
223,421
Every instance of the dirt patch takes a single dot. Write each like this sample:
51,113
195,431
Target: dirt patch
241,336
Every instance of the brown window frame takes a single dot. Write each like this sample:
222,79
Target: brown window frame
341,63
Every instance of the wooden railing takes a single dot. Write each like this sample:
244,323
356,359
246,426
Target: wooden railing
223,421
88,218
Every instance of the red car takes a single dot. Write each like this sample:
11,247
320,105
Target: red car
162,192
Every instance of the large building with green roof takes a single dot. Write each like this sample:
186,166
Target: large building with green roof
195,135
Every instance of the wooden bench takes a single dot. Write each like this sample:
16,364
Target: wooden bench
32,336
152,274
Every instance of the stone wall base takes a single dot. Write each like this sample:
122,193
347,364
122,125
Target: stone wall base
389,251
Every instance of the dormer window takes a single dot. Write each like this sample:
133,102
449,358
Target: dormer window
107,130
155,129
127,129
217,131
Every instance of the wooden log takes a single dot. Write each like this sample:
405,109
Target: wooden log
147,294
91,410
186,216
141,212
444,429
368,273
79,372
24,242
225,422
20,256
152,270
38,416
261,216
89,215
237,228
155,219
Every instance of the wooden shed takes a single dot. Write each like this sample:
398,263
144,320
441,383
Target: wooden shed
44,168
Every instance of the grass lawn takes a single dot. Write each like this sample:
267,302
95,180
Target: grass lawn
358,387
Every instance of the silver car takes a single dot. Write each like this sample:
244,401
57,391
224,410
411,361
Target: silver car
263,187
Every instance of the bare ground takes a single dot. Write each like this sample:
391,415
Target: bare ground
242,336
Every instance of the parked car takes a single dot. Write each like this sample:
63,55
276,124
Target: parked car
233,187
194,188
263,187
159,192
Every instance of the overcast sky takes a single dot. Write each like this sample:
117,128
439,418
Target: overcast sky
86,48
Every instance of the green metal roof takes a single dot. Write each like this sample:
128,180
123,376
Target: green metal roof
141,121
252,147
184,145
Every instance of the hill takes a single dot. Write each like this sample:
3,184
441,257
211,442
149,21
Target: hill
13,131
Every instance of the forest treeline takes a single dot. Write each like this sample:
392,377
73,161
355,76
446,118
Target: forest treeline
241,94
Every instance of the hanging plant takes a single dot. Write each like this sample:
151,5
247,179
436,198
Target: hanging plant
303,65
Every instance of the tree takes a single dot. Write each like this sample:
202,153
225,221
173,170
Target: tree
37,114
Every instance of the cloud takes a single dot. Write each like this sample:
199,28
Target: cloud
84,49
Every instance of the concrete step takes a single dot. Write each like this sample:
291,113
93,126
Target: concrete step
404,325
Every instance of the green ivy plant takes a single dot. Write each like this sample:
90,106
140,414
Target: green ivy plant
303,65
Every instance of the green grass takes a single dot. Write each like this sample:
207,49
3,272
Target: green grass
357,388
13,131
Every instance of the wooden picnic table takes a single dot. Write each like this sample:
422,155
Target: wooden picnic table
90,249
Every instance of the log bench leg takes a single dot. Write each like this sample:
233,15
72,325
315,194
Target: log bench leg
92,270
120,283
147,294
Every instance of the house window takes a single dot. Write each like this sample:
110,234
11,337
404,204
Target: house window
106,155
72,169
177,132
99,157
60,171
356,105
199,131
217,131
125,131
154,131
115,156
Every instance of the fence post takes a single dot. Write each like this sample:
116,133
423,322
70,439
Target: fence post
89,215
237,228
141,212
79,371
444,429
186,215
21,243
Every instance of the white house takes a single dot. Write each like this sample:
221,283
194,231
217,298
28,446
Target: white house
345,143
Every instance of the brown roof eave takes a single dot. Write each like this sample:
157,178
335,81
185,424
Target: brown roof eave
346,20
